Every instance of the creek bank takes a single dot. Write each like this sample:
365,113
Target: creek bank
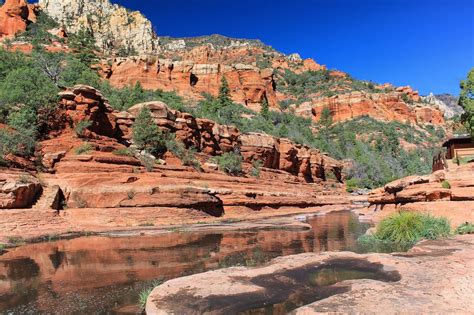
446,193
434,275
49,225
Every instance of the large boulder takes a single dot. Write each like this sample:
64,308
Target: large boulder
261,147
17,189
15,15
85,103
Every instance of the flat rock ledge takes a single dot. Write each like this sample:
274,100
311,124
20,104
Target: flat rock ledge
433,277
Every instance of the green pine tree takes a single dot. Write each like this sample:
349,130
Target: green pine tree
146,133
223,98
326,117
265,111
466,100
83,45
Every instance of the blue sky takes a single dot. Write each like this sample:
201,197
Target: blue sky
428,44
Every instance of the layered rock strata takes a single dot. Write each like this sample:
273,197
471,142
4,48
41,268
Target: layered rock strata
448,193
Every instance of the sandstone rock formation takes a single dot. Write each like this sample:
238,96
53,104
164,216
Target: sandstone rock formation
432,275
113,26
123,193
15,15
381,106
17,189
426,193
213,139
249,85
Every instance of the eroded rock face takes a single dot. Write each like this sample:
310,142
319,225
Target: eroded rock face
427,194
18,189
381,106
113,26
213,139
249,85
446,103
85,103
15,15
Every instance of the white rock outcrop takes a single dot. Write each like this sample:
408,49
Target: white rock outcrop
446,103
114,27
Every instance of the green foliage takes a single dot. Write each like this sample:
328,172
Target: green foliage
18,143
187,156
465,228
230,163
83,149
124,152
406,99
126,51
370,243
352,184
410,227
76,72
466,100
81,127
263,62
446,185
37,33
377,157
124,98
326,118
319,82
148,162
27,86
83,45
265,111
145,293
256,168
223,99
146,134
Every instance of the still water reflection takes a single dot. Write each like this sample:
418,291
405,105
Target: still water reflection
105,274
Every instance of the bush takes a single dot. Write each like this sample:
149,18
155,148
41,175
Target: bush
187,157
25,179
148,162
370,243
81,127
17,143
146,134
145,293
76,72
352,185
256,168
28,86
410,227
124,152
83,149
230,163
465,228
446,185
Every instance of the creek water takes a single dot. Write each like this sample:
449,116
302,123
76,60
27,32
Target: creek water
105,275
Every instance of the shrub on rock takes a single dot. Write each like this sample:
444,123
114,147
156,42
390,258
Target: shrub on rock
230,163
146,134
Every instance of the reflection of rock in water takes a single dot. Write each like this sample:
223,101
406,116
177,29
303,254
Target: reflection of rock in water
57,258
21,268
101,273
